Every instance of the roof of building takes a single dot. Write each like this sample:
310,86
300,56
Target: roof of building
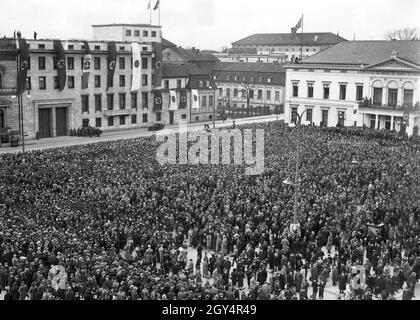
309,39
190,55
256,73
181,70
167,44
134,25
366,52
249,67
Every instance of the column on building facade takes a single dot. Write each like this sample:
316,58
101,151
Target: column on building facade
53,123
384,95
377,121
400,96
392,123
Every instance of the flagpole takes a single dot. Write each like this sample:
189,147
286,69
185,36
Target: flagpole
301,41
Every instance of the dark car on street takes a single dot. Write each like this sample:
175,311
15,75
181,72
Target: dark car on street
156,126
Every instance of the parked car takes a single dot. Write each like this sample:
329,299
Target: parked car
156,126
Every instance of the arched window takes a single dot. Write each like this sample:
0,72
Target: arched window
392,93
377,92
408,90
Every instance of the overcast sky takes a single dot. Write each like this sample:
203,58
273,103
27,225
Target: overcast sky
210,24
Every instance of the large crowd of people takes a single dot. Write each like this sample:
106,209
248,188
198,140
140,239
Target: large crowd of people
106,221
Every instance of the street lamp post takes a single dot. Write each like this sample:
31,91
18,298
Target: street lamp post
295,225
214,108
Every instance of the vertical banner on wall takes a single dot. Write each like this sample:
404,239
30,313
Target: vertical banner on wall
157,101
87,63
111,62
183,99
135,84
173,102
157,65
60,63
194,98
23,65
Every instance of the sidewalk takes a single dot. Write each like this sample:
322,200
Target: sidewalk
66,141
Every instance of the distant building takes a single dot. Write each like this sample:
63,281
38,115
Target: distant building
281,47
49,112
178,55
127,32
199,69
250,89
380,78
187,77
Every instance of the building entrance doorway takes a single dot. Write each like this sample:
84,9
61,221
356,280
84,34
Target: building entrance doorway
45,123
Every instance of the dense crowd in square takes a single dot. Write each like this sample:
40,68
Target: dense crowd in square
105,221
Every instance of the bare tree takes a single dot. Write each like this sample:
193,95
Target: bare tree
404,34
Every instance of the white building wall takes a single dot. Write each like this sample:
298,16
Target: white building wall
334,104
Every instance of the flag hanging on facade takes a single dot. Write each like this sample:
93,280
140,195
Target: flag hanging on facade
135,84
23,65
111,62
194,99
87,63
355,112
406,118
60,63
183,99
173,102
157,101
157,65
157,5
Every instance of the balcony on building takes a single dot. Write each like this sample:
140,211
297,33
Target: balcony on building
407,106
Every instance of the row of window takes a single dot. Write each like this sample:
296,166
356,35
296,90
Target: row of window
377,93
178,84
324,116
110,101
83,47
245,93
326,91
392,97
129,32
96,63
246,79
122,120
204,101
42,82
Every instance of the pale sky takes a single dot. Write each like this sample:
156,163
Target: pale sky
210,24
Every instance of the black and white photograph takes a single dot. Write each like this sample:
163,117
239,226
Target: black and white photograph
226,152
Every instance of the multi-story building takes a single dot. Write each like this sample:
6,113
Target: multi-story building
198,67
50,112
142,33
281,47
247,89
364,83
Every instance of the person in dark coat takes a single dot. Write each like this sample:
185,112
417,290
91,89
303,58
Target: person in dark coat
314,289
342,282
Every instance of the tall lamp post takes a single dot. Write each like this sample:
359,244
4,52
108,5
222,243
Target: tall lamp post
295,226
214,107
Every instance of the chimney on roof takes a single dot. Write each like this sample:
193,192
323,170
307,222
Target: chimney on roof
394,55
